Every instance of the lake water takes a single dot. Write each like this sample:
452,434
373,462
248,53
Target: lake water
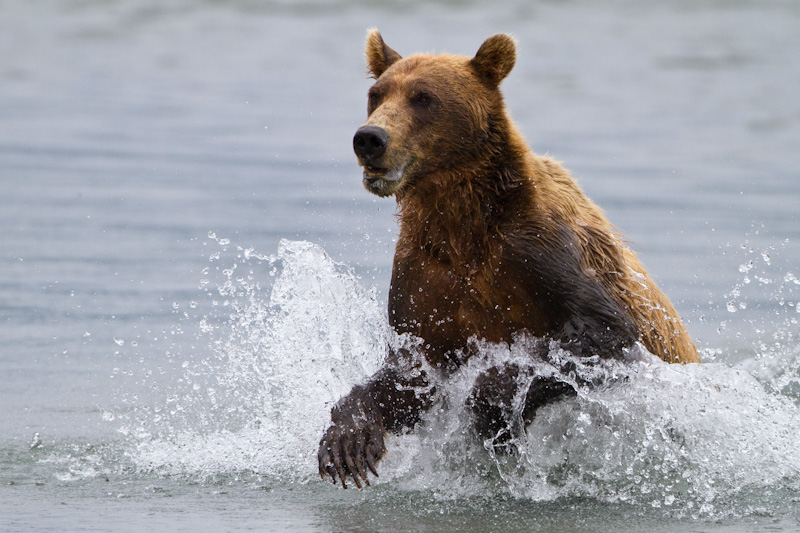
192,273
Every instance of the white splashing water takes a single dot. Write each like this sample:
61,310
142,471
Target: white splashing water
283,354
300,331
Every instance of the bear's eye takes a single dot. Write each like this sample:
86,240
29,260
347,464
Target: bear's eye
373,100
422,99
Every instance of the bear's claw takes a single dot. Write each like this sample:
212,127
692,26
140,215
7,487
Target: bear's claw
351,451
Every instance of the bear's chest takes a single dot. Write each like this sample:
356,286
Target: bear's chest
446,306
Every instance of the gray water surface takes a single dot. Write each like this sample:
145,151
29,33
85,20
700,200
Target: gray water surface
152,152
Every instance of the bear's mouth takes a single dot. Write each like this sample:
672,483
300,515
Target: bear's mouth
373,174
377,172
383,181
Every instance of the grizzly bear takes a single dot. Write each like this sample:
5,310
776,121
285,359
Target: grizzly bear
495,241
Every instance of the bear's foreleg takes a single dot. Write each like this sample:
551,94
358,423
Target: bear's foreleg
505,398
393,399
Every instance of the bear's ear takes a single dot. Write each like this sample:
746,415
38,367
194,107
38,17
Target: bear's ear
379,56
495,59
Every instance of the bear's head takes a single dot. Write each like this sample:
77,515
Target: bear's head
430,113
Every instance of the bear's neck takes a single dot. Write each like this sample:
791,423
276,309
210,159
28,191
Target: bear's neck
454,215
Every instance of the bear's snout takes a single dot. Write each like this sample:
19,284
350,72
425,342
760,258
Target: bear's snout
370,142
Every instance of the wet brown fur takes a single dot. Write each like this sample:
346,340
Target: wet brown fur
474,195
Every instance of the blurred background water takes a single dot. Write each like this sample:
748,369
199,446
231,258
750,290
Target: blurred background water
154,155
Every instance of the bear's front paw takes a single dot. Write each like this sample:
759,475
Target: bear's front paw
350,449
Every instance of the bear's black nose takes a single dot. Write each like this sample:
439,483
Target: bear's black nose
370,142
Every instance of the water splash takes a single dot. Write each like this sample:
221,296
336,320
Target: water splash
291,333
298,331
679,437
686,440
